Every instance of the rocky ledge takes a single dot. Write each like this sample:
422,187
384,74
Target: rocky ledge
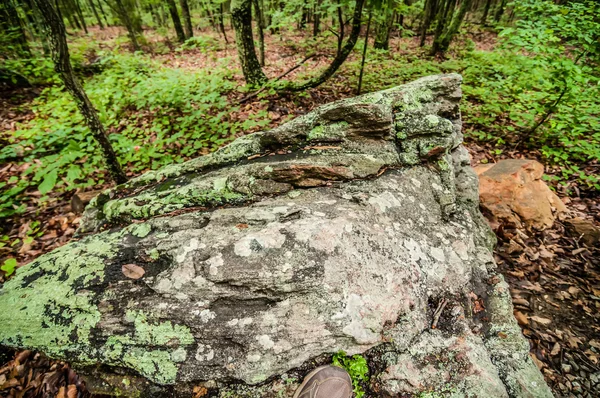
355,227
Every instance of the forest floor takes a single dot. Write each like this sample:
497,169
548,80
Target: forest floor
554,278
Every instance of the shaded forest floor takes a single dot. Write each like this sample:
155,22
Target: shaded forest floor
555,280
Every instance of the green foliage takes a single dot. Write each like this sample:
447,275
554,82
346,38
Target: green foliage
203,43
155,116
9,266
357,368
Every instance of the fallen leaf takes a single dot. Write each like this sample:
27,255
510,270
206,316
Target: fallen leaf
521,318
133,271
540,320
555,350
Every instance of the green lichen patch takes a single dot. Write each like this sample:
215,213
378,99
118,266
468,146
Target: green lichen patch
151,348
46,306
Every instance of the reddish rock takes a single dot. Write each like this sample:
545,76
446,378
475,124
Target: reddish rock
512,192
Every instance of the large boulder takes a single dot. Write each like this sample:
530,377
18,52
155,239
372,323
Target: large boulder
355,227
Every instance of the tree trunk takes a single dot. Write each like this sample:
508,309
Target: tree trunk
454,26
11,25
93,7
221,18
500,11
338,60
62,64
103,12
364,55
444,16
428,13
130,20
261,33
341,23
80,14
187,19
176,21
241,16
486,10
316,18
382,35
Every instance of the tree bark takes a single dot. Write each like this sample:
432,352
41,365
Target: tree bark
486,10
176,21
53,24
80,14
500,10
261,33
11,24
444,16
364,55
384,25
241,17
103,12
447,37
93,7
340,37
428,13
187,19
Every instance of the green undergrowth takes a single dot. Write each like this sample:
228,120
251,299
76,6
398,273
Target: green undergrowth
155,116
357,368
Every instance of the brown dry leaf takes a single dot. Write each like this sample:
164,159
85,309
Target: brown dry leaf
241,226
521,318
540,320
574,342
200,391
555,350
133,271
537,362
594,343
71,391
478,306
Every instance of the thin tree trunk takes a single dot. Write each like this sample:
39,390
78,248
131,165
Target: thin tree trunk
222,22
382,34
486,10
428,13
500,11
316,18
125,18
338,60
187,19
364,55
62,64
454,26
341,23
102,12
443,17
176,21
11,23
241,17
93,7
261,33
80,14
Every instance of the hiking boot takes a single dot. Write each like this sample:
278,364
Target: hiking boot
326,382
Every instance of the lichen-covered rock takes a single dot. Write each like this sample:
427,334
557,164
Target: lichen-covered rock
354,228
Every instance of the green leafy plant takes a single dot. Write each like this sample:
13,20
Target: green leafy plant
9,266
357,368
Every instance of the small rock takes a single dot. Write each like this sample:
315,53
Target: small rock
512,191
580,227
566,368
